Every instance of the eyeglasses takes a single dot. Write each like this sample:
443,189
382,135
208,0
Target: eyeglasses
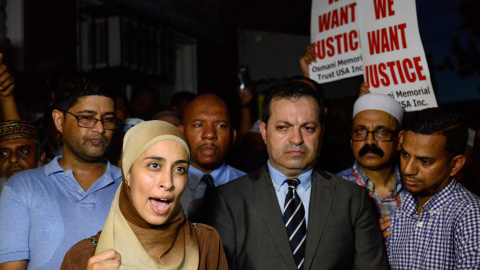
90,121
379,135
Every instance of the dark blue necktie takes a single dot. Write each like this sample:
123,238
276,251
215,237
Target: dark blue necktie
209,186
294,218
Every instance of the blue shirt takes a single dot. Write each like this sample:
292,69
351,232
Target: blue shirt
44,212
281,188
192,197
386,205
446,235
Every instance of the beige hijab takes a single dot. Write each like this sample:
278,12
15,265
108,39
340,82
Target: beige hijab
141,245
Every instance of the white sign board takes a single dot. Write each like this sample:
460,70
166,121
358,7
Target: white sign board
336,40
393,56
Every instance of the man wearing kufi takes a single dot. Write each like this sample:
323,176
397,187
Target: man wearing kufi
377,121
19,149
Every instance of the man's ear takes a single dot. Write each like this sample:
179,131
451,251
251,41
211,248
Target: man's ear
456,164
263,131
182,128
324,120
42,158
234,135
400,139
58,119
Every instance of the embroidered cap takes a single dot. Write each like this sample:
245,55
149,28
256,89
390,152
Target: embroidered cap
17,129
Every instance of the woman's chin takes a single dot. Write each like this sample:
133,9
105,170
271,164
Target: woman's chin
156,220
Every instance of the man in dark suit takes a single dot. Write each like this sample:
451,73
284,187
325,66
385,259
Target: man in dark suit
288,215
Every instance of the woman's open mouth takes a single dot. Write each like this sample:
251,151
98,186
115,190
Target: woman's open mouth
160,206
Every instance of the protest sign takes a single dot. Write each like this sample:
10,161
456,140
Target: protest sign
393,56
335,40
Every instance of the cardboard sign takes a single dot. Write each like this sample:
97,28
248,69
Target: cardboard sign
336,40
393,55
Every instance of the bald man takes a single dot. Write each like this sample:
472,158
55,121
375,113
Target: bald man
207,126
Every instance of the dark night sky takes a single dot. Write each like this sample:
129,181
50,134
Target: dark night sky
439,22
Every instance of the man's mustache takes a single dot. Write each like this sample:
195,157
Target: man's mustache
370,148
13,168
208,144
291,147
96,137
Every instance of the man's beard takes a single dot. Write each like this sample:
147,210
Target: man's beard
84,151
427,192
210,166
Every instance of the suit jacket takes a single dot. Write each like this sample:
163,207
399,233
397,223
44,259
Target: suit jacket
343,231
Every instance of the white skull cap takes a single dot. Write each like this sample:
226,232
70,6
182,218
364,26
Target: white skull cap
380,102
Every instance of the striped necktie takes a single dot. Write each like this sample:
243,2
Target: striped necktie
294,218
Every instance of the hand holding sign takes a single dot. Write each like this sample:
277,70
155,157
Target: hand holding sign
391,58
305,61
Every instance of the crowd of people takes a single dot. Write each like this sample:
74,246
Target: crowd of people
159,191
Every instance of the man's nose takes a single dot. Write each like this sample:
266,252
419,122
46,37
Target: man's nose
209,132
13,157
296,136
409,167
99,127
370,138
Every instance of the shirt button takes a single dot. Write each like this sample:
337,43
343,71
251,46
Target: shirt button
420,224
79,191
66,174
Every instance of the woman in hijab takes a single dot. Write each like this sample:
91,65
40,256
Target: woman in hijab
146,227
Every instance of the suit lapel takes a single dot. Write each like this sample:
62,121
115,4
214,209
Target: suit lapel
266,202
321,198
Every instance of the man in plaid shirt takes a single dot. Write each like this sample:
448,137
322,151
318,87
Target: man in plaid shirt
376,122
437,225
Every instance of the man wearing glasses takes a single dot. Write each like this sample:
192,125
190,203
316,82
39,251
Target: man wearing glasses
44,211
376,122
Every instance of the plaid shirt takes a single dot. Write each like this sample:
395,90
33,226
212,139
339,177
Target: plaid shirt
385,206
446,235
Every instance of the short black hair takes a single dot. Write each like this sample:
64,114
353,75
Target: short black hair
289,89
316,85
73,86
440,121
